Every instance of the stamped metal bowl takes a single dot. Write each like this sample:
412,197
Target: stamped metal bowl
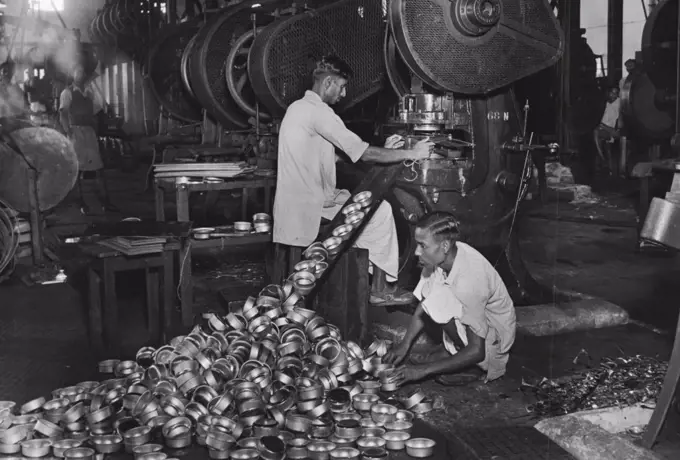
405,415
332,244
364,401
396,440
355,218
316,249
351,208
319,268
304,278
383,413
366,442
262,217
343,231
305,266
399,425
349,453
242,226
244,454
365,198
420,447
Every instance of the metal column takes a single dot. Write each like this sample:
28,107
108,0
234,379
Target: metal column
615,41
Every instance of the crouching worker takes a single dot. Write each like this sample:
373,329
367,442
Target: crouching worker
461,291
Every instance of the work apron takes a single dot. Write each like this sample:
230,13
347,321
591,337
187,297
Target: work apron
83,135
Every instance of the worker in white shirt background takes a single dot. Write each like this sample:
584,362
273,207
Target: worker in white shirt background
608,131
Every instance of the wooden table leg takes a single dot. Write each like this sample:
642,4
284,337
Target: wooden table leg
268,198
182,203
169,288
159,194
95,311
186,282
111,307
244,205
152,307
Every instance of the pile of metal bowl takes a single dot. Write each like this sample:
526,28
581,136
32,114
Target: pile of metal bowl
269,380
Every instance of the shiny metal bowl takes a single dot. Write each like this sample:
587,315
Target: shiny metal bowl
366,442
399,425
364,198
396,440
242,226
319,268
332,244
355,218
345,453
405,415
383,413
351,208
420,447
244,454
343,231
364,401
305,265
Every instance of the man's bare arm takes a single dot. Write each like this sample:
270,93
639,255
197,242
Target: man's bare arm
472,354
374,154
65,121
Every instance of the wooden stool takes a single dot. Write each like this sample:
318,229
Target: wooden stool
104,333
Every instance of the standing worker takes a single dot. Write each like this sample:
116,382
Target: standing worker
78,105
306,181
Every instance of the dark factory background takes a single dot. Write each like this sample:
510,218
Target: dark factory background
156,281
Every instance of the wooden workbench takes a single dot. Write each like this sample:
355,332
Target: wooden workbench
182,194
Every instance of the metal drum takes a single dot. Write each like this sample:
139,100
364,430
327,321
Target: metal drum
662,224
659,43
282,57
164,67
51,154
643,112
475,46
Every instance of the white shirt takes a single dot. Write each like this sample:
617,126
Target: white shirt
306,177
473,295
66,97
611,113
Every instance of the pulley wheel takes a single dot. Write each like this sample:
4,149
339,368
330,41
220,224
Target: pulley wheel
236,73
189,50
216,39
641,111
164,67
475,46
51,154
398,72
659,44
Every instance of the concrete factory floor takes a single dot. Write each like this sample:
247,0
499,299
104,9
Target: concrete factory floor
43,335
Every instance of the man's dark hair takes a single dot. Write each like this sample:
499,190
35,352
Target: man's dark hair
332,65
630,61
442,225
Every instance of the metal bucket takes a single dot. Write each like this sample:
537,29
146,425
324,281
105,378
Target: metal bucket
662,224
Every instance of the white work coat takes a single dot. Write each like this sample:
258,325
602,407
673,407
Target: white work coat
306,177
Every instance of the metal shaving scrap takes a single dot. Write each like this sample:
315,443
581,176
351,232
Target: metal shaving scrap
615,382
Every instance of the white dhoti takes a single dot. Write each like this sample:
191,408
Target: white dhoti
379,235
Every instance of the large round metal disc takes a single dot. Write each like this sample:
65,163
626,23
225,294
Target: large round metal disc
165,71
212,48
51,154
282,57
525,40
639,107
659,44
